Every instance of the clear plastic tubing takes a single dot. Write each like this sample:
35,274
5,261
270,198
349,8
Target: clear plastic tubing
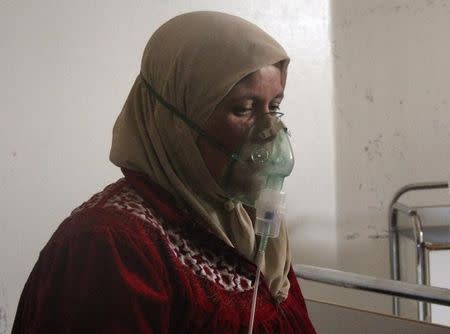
261,249
270,208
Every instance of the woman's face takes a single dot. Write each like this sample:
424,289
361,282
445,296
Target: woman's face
254,96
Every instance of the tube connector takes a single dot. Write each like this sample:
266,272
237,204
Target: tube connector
270,210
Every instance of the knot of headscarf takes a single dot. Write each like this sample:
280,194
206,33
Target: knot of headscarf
229,205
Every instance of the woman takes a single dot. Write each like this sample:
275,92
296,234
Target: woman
167,249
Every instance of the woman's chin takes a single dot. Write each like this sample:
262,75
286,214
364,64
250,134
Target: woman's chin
246,189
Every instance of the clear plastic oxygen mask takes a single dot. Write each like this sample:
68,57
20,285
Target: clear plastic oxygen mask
255,177
261,161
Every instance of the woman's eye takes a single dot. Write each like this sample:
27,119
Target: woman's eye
275,107
243,111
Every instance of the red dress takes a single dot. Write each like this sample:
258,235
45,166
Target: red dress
127,261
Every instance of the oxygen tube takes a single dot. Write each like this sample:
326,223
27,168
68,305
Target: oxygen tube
270,210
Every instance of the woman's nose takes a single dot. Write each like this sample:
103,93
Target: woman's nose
266,126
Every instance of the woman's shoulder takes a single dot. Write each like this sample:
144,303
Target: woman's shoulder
96,269
118,198
116,213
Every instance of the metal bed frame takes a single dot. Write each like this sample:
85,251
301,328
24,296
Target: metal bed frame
421,261
421,292
418,292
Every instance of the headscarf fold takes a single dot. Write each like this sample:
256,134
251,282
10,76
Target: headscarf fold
193,61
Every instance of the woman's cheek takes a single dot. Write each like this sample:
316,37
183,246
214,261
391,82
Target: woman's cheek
233,133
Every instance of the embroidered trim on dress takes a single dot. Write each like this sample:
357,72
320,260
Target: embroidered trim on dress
200,261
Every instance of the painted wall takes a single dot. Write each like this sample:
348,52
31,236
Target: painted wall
67,67
392,119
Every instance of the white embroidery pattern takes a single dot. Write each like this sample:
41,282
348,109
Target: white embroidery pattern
130,201
94,200
203,263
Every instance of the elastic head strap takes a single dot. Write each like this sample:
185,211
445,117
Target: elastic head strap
194,126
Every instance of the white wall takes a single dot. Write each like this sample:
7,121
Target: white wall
392,118
66,69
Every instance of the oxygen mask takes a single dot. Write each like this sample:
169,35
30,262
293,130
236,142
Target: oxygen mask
256,178
263,158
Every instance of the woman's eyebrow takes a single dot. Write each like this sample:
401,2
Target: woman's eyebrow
253,97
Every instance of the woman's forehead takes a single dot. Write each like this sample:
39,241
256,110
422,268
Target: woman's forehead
266,80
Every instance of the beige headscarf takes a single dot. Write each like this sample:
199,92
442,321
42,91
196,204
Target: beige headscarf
193,61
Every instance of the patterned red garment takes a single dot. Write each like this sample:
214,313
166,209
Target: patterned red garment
127,261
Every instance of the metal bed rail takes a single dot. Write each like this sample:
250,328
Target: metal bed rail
373,284
392,218
394,208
